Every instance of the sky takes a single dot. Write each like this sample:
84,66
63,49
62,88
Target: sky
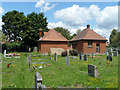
102,16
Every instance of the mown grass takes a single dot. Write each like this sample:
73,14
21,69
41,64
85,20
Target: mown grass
58,74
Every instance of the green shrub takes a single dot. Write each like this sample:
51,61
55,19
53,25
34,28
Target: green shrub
73,52
63,54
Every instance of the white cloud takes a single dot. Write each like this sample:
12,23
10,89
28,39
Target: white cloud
61,24
44,6
1,23
40,3
108,18
47,8
77,16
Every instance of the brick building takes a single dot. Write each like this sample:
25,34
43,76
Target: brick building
88,41
52,41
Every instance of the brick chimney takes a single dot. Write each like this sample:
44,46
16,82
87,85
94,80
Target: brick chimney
88,26
40,32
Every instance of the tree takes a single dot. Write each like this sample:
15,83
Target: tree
115,41
78,31
2,36
14,23
64,32
113,33
31,33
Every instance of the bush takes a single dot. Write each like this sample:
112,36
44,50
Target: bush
11,46
63,54
73,52
49,53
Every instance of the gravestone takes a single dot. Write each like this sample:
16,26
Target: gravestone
92,70
110,58
44,54
85,57
4,53
35,49
93,54
55,57
38,80
81,56
29,60
68,61
29,49
115,53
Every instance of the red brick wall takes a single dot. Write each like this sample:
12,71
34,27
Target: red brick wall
45,46
83,46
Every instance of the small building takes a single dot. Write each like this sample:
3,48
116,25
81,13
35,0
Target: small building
88,41
52,41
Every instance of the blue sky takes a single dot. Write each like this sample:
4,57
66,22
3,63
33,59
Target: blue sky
102,16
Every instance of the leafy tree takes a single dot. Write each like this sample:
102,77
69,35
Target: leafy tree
31,33
65,32
2,36
115,41
113,33
14,23
78,31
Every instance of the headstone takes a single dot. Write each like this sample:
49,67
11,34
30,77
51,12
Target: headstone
35,49
38,80
29,60
55,57
68,61
85,57
110,58
44,54
29,49
115,53
81,56
92,70
4,53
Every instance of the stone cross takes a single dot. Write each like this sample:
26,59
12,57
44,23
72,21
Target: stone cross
38,80
68,61
85,57
55,57
4,53
92,70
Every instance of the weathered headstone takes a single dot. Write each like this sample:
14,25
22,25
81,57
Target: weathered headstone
35,49
4,53
55,57
44,54
92,70
115,53
81,56
38,80
93,55
29,60
110,58
85,57
68,61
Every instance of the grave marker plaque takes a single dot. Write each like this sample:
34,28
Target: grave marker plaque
92,70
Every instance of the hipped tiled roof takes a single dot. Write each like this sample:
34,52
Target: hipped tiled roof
53,35
88,34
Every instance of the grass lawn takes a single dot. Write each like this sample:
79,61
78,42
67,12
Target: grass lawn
58,74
